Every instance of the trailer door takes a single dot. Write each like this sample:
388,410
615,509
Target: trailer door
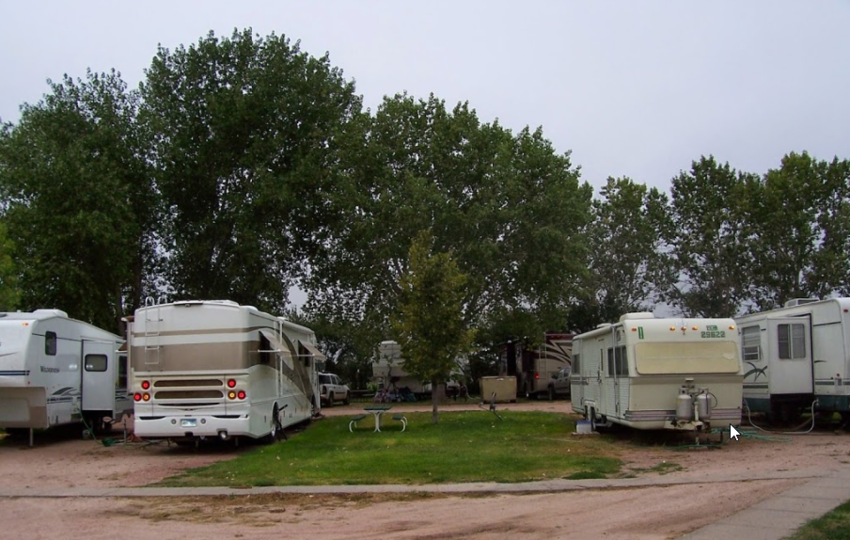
100,372
790,343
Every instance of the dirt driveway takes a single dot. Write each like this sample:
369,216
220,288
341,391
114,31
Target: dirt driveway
654,512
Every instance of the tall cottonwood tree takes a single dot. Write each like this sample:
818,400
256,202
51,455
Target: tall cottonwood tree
629,264
799,218
78,200
244,127
708,242
508,207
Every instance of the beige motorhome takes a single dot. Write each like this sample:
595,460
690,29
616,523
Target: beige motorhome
659,373
218,369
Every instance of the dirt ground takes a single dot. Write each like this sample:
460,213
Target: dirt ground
656,512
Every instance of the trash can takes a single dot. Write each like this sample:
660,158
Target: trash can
503,387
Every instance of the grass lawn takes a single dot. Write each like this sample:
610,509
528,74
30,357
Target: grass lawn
469,446
832,526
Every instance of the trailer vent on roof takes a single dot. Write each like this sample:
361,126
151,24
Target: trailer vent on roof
800,301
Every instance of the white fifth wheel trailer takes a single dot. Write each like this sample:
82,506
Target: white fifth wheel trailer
648,373
55,370
218,369
797,354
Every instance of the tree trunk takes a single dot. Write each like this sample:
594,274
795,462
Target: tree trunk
435,401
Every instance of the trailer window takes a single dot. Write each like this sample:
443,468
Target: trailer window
683,358
792,341
576,364
96,362
750,344
50,343
617,363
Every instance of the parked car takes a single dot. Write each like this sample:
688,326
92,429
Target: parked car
333,389
560,383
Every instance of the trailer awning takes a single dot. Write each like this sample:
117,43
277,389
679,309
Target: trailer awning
277,346
311,349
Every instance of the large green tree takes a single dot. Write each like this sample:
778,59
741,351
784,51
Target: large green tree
78,200
709,240
245,128
508,207
629,263
799,222
429,323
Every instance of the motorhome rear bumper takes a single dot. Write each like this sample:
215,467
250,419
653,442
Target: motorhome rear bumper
174,427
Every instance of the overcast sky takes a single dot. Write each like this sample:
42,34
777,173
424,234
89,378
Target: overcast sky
636,89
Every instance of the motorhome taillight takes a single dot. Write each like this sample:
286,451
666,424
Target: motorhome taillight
242,394
231,383
146,385
137,396
146,397
231,395
536,375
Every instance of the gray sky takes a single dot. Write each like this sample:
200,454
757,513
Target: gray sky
635,89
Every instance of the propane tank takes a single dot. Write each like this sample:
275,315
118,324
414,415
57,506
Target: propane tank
704,404
684,406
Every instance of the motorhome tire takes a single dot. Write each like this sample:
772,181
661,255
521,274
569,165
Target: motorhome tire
275,426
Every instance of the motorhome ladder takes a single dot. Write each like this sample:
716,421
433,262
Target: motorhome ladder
152,328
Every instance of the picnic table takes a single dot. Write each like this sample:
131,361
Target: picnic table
377,411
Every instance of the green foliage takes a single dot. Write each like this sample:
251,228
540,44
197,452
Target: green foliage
429,324
629,264
77,199
8,278
506,205
244,129
709,239
464,447
799,216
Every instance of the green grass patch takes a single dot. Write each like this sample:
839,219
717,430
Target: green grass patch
833,526
468,446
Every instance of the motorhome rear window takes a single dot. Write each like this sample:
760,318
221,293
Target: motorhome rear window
693,357
50,343
96,362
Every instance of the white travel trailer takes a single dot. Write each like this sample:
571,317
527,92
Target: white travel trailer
648,373
217,369
55,370
796,354
389,369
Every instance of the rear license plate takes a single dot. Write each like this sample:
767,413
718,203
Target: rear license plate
189,422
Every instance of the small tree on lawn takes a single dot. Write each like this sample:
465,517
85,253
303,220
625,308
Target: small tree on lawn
428,323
